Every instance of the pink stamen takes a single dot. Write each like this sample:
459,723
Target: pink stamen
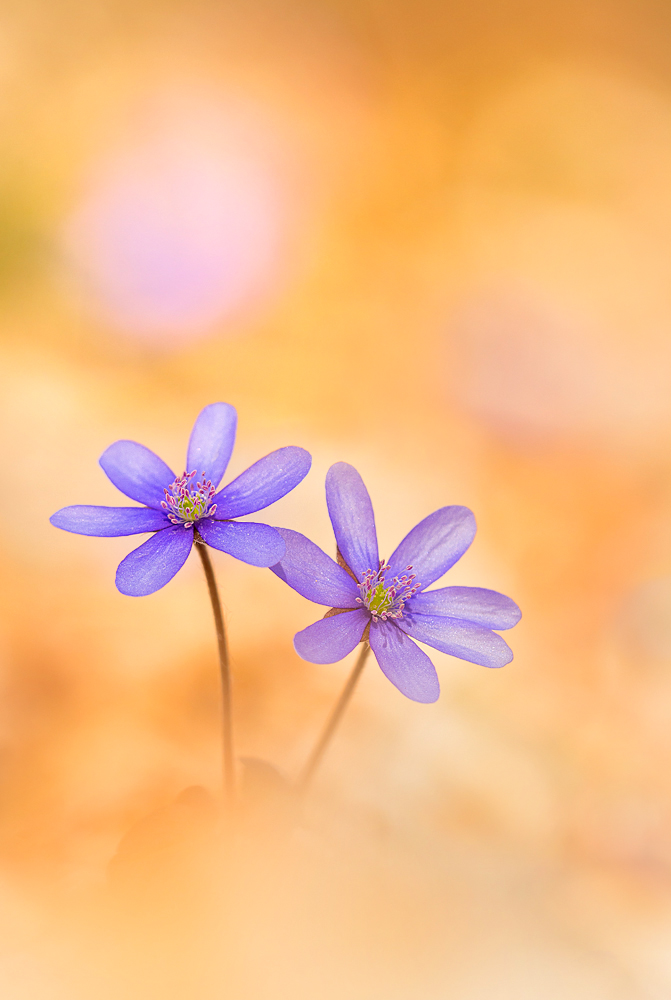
187,503
386,599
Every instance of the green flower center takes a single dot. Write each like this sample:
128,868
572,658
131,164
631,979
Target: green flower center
380,600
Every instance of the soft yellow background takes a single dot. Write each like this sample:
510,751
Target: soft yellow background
472,305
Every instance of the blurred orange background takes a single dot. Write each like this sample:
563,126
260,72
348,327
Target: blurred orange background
430,239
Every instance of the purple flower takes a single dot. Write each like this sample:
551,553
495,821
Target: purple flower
387,601
175,507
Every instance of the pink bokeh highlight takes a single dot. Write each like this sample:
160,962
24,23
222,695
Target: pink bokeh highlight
184,227
535,367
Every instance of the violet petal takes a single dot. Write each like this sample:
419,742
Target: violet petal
108,522
211,441
434,544
263,483
314,574
330,639
256,544
137,472
473,604
155,562
403,663
463,639
351,513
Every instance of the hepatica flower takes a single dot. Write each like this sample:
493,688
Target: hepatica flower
386,601
176,507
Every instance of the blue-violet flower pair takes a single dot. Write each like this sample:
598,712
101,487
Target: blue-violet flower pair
386,602
383,602
176,507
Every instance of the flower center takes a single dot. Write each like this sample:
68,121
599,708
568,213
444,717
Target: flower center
386,598
187,502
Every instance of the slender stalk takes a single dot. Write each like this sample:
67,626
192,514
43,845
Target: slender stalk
315,757
225,671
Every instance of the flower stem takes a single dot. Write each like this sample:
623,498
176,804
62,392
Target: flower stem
225,671
322,743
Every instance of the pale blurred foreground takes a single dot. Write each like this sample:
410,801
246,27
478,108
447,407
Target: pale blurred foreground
328,907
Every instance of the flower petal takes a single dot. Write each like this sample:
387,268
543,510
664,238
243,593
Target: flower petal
434,544
314,574
263,483
108,522
257,544
351,513
330,639
403,663
211,441
152,565
458,638
137,472
473,604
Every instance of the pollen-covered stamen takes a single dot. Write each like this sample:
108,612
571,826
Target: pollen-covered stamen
187,502
386,598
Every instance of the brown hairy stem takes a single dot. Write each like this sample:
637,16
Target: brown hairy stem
225,672
322,743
